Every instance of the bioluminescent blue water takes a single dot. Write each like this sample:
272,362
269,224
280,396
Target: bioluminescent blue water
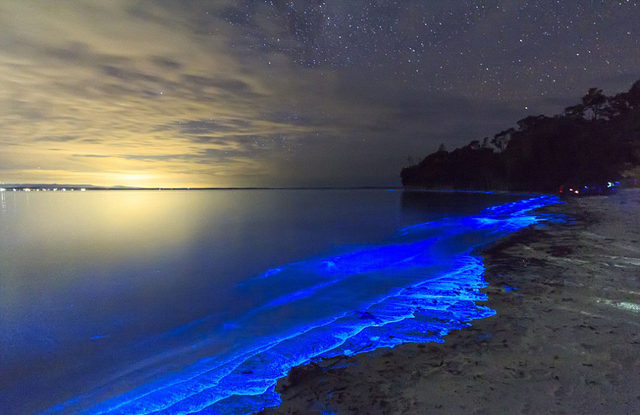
229,291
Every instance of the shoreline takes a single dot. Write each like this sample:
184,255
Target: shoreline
565,339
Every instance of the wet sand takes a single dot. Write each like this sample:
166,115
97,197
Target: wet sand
566,339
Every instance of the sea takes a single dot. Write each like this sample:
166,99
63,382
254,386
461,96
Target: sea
198,302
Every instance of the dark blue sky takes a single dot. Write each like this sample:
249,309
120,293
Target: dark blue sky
286,93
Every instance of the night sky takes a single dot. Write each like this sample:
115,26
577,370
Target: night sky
286,93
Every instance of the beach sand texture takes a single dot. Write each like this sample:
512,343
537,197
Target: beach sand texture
566,339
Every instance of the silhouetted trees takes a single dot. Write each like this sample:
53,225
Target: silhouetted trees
595,140
595,104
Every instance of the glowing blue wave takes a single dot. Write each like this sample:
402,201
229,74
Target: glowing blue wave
417,287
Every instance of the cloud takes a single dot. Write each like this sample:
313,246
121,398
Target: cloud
107,83
62,139
232,93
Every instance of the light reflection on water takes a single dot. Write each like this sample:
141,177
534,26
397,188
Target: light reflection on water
94,284
100,227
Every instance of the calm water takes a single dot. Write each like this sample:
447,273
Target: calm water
135,302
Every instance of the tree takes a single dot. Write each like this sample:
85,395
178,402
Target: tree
530,122
442,148
596,103
501,139
633,96
618,104
574,111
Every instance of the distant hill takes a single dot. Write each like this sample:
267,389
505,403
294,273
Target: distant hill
595,140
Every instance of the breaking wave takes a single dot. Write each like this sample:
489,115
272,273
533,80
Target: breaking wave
415,287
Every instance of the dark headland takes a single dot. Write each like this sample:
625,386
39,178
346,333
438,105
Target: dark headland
566,337
596,140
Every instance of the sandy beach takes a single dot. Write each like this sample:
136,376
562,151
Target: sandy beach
565,340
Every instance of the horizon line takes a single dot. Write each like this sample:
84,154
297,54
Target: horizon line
120,187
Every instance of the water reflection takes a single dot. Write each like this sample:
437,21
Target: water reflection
92,282
88,227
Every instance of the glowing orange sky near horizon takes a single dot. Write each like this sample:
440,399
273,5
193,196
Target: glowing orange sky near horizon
92,95
227,93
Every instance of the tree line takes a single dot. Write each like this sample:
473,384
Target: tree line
595,140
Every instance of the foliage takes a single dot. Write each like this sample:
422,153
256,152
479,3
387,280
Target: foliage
595,140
